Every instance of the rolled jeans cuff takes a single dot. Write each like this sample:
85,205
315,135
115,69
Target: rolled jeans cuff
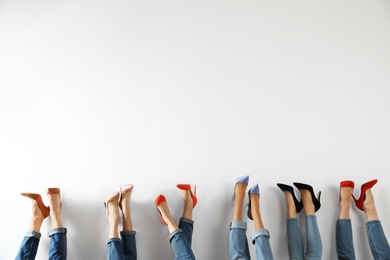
34,234
175,232
128,233
54,231
114,239
259,232
187,220
238,224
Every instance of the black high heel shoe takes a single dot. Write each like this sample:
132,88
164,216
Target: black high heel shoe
316,202
298,204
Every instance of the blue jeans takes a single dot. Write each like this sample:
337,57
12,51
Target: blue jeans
29,246
124,249
181,240
238,243
313,239
380,248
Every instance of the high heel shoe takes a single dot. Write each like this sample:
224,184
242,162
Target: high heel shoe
346,183
298,204
124,190
37,197
54,191
160,199
242,179
365,186
316,202
253,190
193,195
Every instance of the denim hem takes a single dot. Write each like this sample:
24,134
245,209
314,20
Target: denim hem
54,231
175,232
114,239
187,220
238,224
128,232
372,222
32,233
259,232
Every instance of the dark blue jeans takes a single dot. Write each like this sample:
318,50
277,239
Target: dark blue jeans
181,240
124,249
58,245
379,245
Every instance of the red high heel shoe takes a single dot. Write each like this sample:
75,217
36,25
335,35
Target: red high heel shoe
160,199
365,186
346,183
193,195
37,197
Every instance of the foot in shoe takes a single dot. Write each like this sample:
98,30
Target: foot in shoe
240,186
37,197
54,195
288,188
253,190
125,192
365,186
316,202
187,187
346,189
158,202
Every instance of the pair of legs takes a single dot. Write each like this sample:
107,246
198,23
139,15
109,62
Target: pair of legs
344,241
238,244
313,239
58,243
124,247
180,236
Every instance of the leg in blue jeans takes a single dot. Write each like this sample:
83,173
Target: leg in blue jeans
260,238
344,240
58,244
313,239
115,249
29,246
377,239
129,245
181,248
294,240
238,243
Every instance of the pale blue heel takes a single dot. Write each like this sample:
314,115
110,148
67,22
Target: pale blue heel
253,190
242,179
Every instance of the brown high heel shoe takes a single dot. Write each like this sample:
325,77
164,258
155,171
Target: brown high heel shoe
124,189
37,197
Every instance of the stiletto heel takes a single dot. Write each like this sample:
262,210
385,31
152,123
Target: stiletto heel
298,204
316,201
253,190
346,183
160,199
193,195
37,197
242,179
124,190
365,186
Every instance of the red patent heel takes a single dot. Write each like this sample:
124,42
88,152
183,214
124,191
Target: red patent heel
193,195
160,199
365,186
346,183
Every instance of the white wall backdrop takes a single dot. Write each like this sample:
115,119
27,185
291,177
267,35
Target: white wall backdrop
96,94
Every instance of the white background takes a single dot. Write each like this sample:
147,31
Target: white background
96,94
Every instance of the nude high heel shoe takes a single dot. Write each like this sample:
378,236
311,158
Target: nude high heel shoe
124,190
37,197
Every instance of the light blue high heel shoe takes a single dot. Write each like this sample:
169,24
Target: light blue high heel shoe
253,190
242,179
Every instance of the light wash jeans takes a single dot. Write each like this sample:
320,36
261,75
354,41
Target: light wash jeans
380,248
29,246
313,240
238,243
122,249
181,240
